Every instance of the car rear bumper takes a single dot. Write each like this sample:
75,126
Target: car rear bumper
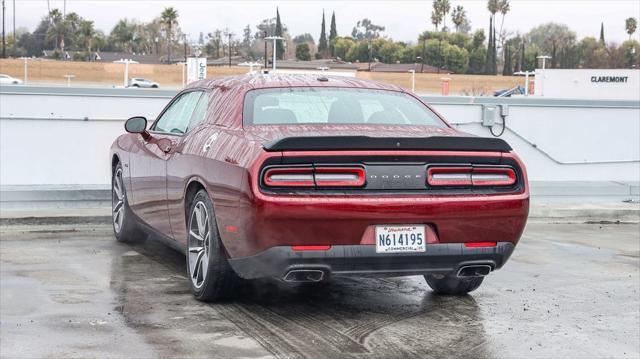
362,260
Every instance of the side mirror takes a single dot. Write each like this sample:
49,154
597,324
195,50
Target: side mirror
137,124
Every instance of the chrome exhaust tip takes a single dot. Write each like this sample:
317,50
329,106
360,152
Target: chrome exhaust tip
479,270
304,275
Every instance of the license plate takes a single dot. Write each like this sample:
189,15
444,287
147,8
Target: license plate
400,239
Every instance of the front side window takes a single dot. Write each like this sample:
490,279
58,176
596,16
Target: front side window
177,117
309,105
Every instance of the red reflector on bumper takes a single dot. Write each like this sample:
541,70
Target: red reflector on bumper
480,244
310,248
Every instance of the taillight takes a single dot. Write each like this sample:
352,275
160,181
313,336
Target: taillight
314,177
289,177
339,176
493,177
471,176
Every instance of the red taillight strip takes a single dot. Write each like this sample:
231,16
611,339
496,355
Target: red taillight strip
493,177
449,176
289,177
470,176
315,177
340,175
480,244
310,248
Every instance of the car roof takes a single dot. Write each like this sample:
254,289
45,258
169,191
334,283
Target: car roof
257,81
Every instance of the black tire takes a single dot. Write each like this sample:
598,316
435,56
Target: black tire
452,285
125,228
136,86
154,86
219,278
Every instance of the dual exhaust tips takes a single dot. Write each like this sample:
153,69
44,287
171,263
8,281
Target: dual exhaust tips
317,275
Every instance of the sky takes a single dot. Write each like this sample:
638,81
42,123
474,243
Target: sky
403,19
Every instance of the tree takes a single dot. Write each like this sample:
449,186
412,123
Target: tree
602,33
278,32
122,35
333,34
631,24
302,52
322,42
555,40
507,70
365,29
503,7
168,18
439,13
86,34
459,17
341,47
58,30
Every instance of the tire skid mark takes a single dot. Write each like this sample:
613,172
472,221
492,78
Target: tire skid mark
257,330
337,338
323,342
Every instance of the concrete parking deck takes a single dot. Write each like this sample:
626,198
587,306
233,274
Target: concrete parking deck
569,291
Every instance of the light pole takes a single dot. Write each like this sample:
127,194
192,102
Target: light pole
126,63
274,38
526,79
413,80
544,61
25,69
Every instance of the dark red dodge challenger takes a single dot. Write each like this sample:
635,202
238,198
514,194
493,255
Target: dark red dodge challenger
306,177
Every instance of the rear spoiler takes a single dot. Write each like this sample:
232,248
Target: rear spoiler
437,143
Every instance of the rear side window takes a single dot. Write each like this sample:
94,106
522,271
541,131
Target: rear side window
177,117
200,112
308,105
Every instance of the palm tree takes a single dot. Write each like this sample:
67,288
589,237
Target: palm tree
436,18
168,18
123,33
58,30
504,8
631,24
444,7
86,34
458,16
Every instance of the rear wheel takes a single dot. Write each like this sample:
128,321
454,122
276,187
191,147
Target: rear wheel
451,284
124,224
211,276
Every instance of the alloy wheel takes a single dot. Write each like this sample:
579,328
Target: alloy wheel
199,244
117,201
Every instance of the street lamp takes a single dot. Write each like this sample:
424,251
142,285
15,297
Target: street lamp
25,69
413,80
526,79
544,61
126,63
275,39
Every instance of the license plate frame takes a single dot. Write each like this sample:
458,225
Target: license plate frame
393,238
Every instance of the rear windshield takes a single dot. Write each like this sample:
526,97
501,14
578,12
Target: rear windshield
309,105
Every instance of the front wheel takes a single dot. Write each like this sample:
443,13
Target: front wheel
452,285
211,276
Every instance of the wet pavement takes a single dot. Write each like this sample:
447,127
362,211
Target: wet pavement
570,290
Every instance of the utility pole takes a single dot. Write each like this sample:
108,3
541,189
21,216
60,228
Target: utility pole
185,47
14,23
370,54
265,50
424,45
4,44
544,62
229,34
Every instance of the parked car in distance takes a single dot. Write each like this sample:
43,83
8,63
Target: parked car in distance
8,80
142,83
303,178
